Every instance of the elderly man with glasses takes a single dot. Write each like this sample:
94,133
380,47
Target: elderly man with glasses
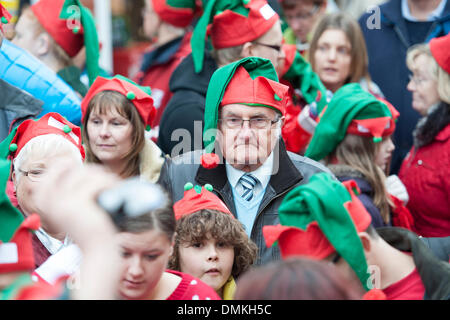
250,169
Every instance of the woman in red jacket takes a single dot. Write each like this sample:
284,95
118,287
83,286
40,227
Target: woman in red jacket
426,168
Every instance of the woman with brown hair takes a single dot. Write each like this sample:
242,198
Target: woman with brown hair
338,53
115,113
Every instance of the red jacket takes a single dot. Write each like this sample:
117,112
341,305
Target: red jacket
425,173
158,74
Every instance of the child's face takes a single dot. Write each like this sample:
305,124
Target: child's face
210,261
384,153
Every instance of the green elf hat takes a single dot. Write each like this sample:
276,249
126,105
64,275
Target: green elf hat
230,23
178,13
198,198
5,16
16,250
72,26
140,96
300,74
322,217
250,81
351,111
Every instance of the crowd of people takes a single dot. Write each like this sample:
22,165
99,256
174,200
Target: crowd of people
260,153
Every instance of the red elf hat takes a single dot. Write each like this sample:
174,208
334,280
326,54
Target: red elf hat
178,13
5,16
260,91
51,123
198,198
17,254
440,49
138,95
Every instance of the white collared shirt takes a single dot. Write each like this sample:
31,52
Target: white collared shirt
406,13
263,174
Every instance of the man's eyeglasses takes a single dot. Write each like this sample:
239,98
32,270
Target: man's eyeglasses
304,16
34,174
272,46
254,123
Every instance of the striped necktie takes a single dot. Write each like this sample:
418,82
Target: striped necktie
248,183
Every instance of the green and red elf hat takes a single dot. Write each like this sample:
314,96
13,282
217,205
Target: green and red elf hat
16,250
140,96
300,74
322,217
250,81
50,123
351,111
72,26
198,198
230,23
178,13
440,49
5,17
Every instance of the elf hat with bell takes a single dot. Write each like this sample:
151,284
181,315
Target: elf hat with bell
300,74
322,217
440,49
198,198
16,250
230,23
351,111
72,26
250,81
5,16
178,13
139,96
51,123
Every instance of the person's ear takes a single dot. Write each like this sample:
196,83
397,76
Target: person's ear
42,44
247,50
366,242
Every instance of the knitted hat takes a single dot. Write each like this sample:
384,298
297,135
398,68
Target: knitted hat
230,23
351,110
179,13
72,26
251,81
440,49
138,95
5,16
50,123
16,250
198,198
322,217
300,74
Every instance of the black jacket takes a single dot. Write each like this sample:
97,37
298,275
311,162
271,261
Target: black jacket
185,110
293,170
435,273
16,106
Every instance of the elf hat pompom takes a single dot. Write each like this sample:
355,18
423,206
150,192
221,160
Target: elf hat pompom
139,96
5,16
16,250
50,123
351,110
223,86
72,26
333,207
440,49
178,13
198,198
230,23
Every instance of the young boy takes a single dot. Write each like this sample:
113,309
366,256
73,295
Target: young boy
210,244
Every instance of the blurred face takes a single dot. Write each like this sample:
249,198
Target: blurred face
110,135
333,58
24,36
302,17
33,171
210,261
384,153
423,85
247,148
151,20
268,46
144,259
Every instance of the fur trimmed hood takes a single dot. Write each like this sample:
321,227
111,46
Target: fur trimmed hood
151,161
